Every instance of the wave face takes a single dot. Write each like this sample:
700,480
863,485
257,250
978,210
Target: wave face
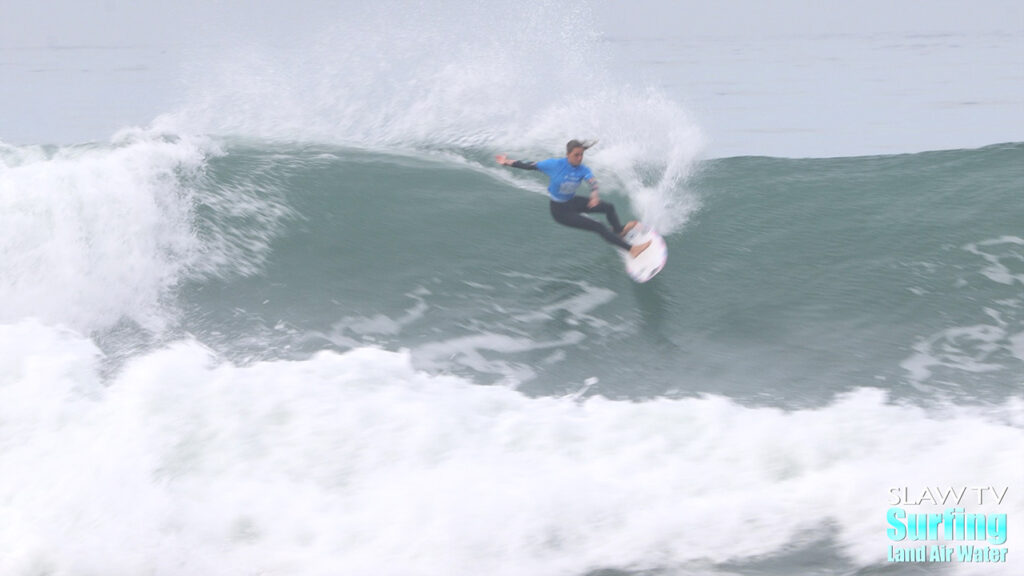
817,275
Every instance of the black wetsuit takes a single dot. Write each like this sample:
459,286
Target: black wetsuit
571,213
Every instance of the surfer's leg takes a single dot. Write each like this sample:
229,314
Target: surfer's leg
608,209
568,214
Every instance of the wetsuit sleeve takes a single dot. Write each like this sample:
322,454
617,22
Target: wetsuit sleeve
524,165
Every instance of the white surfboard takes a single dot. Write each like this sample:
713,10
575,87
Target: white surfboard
650,261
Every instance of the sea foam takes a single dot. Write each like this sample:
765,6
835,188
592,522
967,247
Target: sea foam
183,463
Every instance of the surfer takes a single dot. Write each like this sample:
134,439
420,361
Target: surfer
567,208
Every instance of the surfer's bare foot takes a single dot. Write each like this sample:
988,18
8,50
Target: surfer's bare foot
629,226
639,248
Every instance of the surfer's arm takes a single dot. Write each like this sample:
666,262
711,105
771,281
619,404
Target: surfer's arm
594,198
506,161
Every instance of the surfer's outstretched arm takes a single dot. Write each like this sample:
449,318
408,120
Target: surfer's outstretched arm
506,161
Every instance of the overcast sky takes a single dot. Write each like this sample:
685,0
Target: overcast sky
723,60
773,17
130,22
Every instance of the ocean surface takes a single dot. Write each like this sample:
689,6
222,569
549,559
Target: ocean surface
299,322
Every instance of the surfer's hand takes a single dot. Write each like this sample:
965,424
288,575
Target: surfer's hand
502,159
594,200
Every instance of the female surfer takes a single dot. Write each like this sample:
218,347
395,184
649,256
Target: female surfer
567,208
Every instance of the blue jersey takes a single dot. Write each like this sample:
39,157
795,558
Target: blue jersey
565,178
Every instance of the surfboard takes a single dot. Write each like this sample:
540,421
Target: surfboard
650,261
